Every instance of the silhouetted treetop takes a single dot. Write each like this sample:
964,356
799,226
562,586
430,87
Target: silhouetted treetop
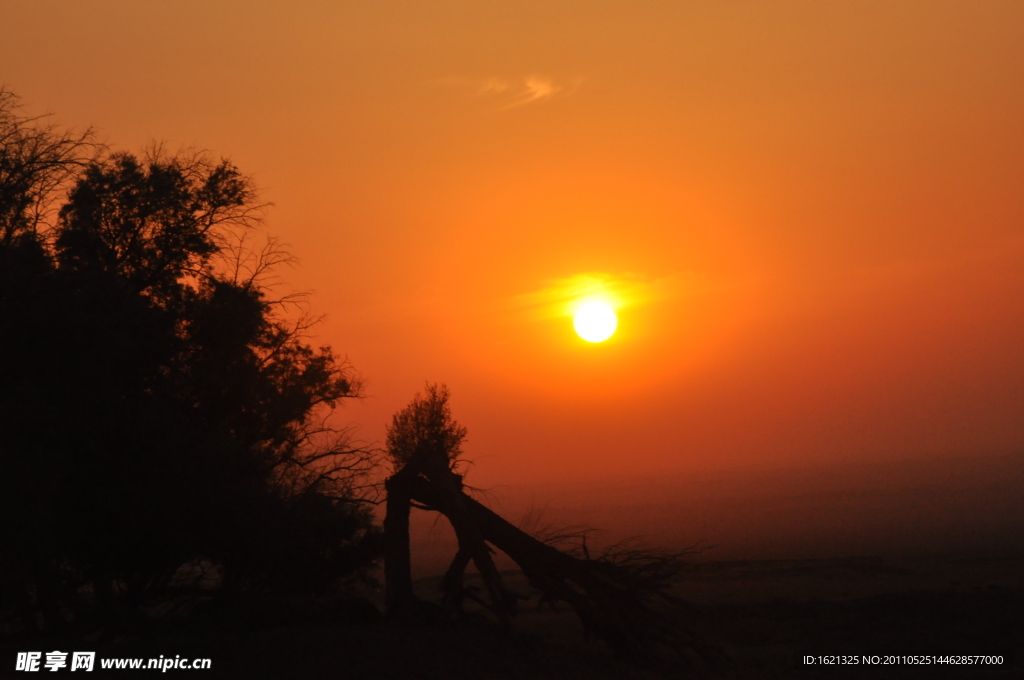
425,434
153,221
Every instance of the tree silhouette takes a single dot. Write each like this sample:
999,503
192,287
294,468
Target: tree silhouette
156,405
620,595
425,442
425,434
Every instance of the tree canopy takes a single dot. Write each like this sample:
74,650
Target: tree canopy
157,405
425,432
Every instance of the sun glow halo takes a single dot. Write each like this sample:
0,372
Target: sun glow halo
595,322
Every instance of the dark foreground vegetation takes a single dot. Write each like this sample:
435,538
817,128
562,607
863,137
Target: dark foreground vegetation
763,614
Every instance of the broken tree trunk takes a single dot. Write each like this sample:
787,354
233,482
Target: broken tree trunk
615,602
450,501
398,593
612,601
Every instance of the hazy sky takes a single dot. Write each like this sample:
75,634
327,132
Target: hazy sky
813,211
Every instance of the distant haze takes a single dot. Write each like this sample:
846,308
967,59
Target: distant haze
945,506
822,202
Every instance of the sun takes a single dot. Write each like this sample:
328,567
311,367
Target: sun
595,322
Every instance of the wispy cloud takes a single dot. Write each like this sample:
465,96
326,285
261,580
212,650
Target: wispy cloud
536,89
511,93
560,297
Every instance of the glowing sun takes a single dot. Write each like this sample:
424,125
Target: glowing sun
595,322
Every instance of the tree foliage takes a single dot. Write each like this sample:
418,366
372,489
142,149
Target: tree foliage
156,404
424,432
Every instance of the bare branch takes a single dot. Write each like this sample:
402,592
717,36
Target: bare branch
38,163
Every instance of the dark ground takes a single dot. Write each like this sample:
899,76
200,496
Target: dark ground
762,614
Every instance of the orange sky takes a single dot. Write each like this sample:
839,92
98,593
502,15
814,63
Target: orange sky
818,207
